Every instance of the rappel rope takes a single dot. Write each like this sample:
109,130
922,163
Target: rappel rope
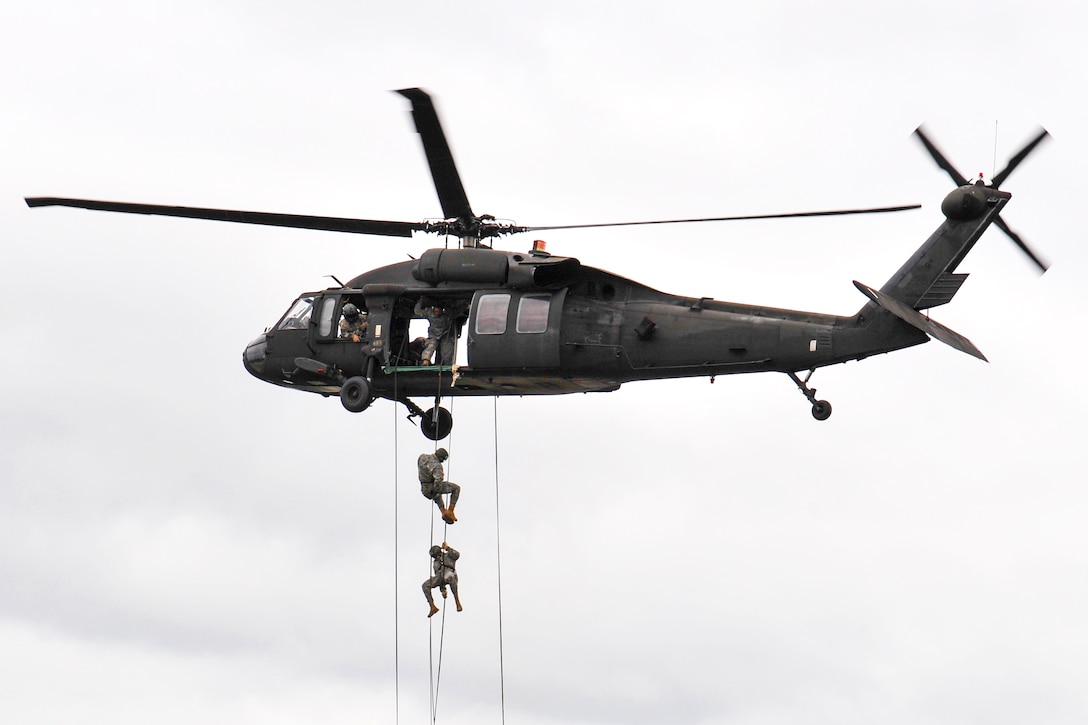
396,556
435,667
436,678
431,679
435,674
498,564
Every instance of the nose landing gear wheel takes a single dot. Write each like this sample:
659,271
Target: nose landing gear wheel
436,424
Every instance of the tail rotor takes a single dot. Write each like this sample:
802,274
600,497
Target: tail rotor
960,180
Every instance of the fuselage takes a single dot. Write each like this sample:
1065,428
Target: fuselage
536,325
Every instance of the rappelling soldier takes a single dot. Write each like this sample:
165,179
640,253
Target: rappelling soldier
433,483
444,562
353,324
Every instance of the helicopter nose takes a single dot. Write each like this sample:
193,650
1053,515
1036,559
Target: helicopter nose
254,356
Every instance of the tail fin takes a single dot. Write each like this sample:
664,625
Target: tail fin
927,279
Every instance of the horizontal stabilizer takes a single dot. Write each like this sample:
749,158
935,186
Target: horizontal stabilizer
923,323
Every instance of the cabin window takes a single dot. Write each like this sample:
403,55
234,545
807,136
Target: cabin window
491,314
298,317
326,317
533,313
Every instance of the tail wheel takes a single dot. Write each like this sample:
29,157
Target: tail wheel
355,394
436,423
821,410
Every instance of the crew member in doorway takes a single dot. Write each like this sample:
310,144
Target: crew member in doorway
444,562
433,483
353,324
440,333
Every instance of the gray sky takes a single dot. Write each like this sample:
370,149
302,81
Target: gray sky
181,543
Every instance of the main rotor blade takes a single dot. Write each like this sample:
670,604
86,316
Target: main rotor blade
940,159
298,221
1015,160
840,212
447,182
1000,224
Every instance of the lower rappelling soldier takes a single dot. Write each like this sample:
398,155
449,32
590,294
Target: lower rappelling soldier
444,563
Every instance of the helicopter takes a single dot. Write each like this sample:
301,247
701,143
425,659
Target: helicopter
536,324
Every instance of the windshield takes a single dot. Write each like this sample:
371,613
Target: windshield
298,317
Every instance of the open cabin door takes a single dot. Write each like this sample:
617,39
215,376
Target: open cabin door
514,329
331,343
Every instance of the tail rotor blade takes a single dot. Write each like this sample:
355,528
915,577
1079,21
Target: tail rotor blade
1015,160
1000,224
957,177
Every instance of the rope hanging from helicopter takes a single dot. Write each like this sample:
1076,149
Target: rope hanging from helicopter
435,658
498,562
396,553
435,675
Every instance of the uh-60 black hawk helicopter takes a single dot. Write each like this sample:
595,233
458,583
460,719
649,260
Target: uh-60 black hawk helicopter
537,324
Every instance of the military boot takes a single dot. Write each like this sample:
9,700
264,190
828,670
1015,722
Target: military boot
447,516
457,600
449,512
434,611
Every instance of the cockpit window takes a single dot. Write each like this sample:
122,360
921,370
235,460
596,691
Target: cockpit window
298,317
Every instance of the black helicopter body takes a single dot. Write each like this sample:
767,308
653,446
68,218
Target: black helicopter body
536,324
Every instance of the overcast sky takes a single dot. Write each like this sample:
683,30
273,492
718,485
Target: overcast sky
180,542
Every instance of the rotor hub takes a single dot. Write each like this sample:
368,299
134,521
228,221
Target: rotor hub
967,202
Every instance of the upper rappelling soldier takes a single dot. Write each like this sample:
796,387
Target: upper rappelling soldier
433,483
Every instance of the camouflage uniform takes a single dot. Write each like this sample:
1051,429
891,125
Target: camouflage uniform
348,328
444,562
432,483
440,333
